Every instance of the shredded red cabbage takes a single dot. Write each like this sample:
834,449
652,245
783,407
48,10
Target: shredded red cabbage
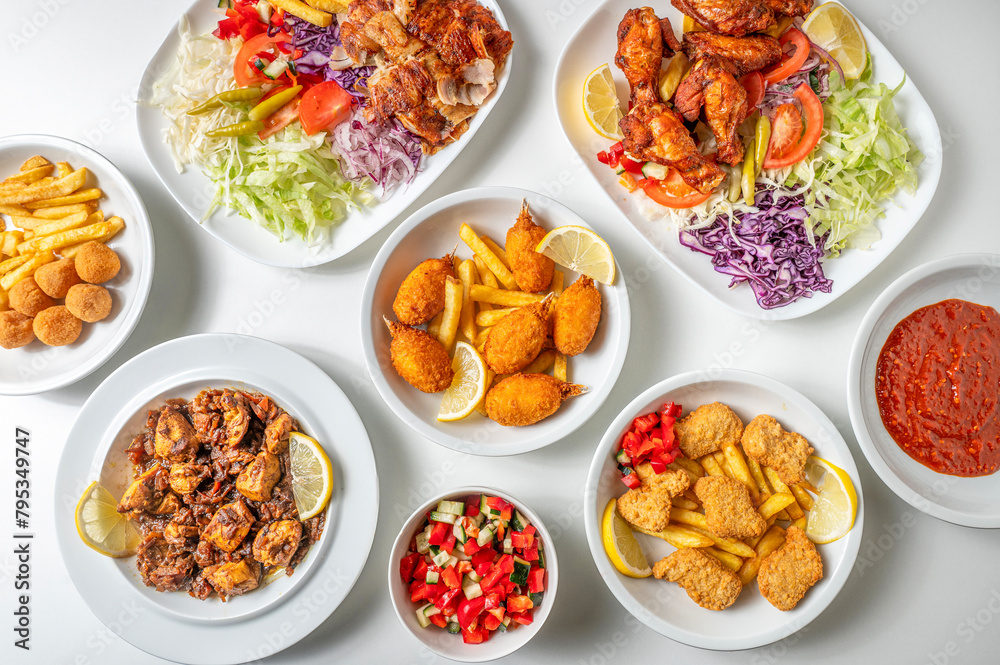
815,72
769,249
321,48
388,154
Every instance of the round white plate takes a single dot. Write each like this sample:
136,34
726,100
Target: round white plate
175,625
38,368
594,43
432,231
663,606
193,190
967,501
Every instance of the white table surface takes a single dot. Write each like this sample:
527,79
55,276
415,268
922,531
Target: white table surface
924,591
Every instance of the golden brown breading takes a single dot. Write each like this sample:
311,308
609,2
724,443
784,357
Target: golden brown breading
787,573
706,580
419,358
88,302
671,481
728,508
708,428
27,298
56,278
766,441
56,326
646,508
97,263
518,338
421,295
15,330
575,316
524,399
532,271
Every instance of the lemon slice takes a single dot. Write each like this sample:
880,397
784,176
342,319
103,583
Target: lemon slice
621,546
835,30
102,527
836,506
600,103
312,475
468,387
580,249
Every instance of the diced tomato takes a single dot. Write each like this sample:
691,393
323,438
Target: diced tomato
446,598
439,620
632,480
794,61
227,29
519,604
451,578
812,109
631,166
324,106
406,566
520,540
471,546
536,580
242,72
449,542
439,534
673,192
615,153
278,17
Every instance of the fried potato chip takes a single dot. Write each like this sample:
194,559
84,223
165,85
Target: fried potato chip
66,223
452,313
13,210
11,263
493,296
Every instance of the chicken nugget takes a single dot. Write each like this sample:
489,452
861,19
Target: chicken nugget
517,338
767,442
671,481
728,508
88,302
532,271
787,573
15,330
524,399
706,580
707,429
419,358
56,278
421,295
56,326
97,263
575,317
28,299
646,508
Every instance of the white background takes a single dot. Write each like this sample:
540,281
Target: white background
72,67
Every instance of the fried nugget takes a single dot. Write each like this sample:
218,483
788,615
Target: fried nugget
728,508
15,330
518,338
575,317
56,278
788,572
88,302
707,429
56,326
532,271
97,263
766,441
646,508
706,580
524,399
671,481
419,358
421,295
28,299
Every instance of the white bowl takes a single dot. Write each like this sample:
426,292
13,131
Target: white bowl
966,501
432,231
663,606
450,645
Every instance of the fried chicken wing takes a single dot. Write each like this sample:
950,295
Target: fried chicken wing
524,399
708,428
786,574
643,41
575,317
747,54
419,358
646,507
728,508
276,543
729,17
518,338
532,271
176,440
790,7
421,295
766,441
712,84
706,580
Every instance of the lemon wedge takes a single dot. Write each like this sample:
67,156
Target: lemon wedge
600,103
621,546
834,510
102,527
580,249
312,474
836,31
468,387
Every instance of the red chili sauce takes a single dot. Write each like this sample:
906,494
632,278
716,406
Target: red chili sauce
937,383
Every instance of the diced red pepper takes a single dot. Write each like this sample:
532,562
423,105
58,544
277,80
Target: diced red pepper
523,618
498,612
476,636
531,553
647,422
491,622
420,572
519,604
615,153
227,29
472,546
505,513
425,591
520,540
471,508
672,410
407,565
464,568
657,465
451,578
505,566
536,580
449,542
439,620
496,503
483,569
632,480
530,529
278,18
629,441
445,598
439,533
468,610
486,554
602,157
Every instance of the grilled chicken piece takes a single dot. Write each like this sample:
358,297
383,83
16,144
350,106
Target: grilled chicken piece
461,31
643,42
276,543
237,417
180,535
149,493
711,83
176,440
790,7
229,526
276,434
185,478
747,54
257,480
234,578
357,44
729,17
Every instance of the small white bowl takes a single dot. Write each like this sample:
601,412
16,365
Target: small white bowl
450,645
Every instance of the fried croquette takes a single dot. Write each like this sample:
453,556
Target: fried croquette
28,299
421,295
88,302
15,330
56,326
706,580
518,338
708,428
575,317
728,508
787,573
419,358
672,481
646,507
532,271
766,441
97,263
524,399
56,278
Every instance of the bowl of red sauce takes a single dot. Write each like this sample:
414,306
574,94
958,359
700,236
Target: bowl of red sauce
924,388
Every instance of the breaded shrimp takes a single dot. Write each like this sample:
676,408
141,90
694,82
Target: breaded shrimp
421,295
518,338
706,580
524,399
708,428
575,317
419,358
766,441
728,508
787,573
646,508
532,271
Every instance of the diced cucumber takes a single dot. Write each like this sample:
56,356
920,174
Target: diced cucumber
508,546
472,589
620,170
453,626
422,545
442,558
264,10
460,554
275,69
453,507
478,519
485,535
520,573
474,576
447,518
519,522
459,532
483,508
430,610
433,576
452,561
541,557
434,549
623,458
424,612
503,625
536,598
655,171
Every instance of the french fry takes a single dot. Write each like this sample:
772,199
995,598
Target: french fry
33,163
11,194
66,223
558,282
64,238
679,536
488,256
737,547
542,363
58,212
26,269
730,561
305,12
11,239
802,496
63,169
468,274
711,466
683,502
117,224
775,504
691,466
492,317
481,293
10,264
801,522
14,210
780,486
689,517
4,301
691,496
486,277
559,369
452,313
81,196
435,324
497,250
481,407
739,469
332,6
772,540
481,336
28,223
31,175
758,477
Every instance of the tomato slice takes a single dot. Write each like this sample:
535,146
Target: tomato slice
793,63
242,72
673,192
786,130
324,105
812,110
754,85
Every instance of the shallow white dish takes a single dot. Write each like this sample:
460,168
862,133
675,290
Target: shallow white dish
967,501
38,368
442,642
594,43
193,190
432,231
664,606
174,625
